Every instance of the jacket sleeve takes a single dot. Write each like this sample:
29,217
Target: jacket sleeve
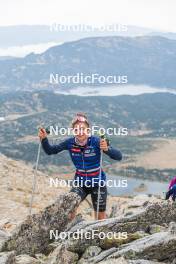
173,181
53,149
114,153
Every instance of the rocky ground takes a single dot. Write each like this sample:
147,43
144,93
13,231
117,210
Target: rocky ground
139,230
16,186
150,236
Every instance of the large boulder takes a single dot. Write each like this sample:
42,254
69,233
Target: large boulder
33,235
159,246
158,213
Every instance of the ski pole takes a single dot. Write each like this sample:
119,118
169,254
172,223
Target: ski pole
98,199
102,136
34,179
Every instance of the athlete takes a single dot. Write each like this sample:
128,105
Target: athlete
85,151
172,190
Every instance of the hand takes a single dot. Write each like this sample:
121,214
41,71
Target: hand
42,133
103,145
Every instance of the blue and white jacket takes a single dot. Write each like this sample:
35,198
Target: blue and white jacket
86,159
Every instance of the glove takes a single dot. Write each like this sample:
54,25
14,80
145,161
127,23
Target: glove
171,193
105,138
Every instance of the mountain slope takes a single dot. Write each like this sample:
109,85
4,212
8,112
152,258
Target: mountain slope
147,117
144,60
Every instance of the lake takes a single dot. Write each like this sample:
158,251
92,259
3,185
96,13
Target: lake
115,90
137,186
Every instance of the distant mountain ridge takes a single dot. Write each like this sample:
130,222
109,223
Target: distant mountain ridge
21,35
147,60
35,34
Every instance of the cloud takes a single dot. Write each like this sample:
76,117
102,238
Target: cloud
21,51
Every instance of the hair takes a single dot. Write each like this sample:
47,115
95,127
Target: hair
82,114
74,121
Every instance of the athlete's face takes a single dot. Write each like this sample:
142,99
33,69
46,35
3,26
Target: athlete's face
81,131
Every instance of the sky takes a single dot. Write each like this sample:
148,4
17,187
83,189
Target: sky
155,14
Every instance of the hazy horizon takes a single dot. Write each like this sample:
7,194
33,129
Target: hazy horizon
136,12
